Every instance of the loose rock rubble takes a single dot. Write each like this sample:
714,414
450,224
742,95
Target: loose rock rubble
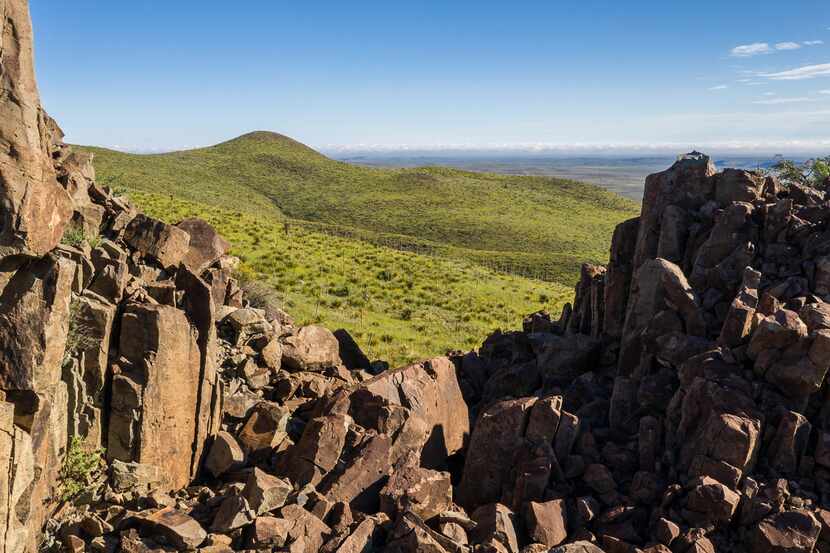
678,404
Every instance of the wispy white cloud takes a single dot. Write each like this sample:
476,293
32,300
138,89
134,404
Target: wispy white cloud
777,101
719,87
769,93
748,50
787,46
800,73
759,48
824,91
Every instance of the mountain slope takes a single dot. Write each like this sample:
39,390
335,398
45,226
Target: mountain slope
531,225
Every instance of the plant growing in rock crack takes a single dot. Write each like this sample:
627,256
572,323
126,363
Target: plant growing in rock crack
80,468
75,235
80,336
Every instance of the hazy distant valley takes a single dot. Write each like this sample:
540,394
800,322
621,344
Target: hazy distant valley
619,174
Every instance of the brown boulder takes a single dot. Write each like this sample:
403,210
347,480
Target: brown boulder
494,523
547,522
265,427
174,528
165,243
713,501
264,492
312,348
224,454
413,488
785,532
206,245
496,437
318,451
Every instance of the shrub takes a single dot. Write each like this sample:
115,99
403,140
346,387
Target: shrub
74,235
81,465
80,336
261,295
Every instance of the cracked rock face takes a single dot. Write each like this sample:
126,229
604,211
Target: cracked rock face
34,208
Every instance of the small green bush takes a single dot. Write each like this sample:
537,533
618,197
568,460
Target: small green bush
74,236
81,465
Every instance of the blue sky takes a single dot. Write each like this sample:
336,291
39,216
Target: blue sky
147,75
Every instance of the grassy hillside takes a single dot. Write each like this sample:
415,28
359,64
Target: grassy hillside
537,226
400,306
412,262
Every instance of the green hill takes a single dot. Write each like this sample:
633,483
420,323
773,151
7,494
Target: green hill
537,226
412,262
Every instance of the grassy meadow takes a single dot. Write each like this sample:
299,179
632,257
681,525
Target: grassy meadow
412,262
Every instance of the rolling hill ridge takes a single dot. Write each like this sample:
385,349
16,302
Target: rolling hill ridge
536,226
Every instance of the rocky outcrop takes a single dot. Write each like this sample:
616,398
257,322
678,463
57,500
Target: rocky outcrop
34,208
677,405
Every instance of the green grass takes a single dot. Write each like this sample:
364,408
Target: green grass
412,262
400,306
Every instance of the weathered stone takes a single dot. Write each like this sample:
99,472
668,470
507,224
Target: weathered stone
432,394
619,275
269,532
599,478
496,436
494,523
412,488
360,540
233,513
271,355
174,527
307,533
312,348
547,522
577,547
34,208
206,245
544,420
224,454
365,470
264,492
410,534
714,501
164,361
135,477
789,443
318,450
34,323
785,532
165,243
265,427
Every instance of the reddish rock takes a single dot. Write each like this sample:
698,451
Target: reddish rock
496,436
413,488
174,527
206,246
224,454
313,348
165,243
713,501
785,532
547,522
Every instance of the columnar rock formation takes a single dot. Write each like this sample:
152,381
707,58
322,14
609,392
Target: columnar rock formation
677,405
